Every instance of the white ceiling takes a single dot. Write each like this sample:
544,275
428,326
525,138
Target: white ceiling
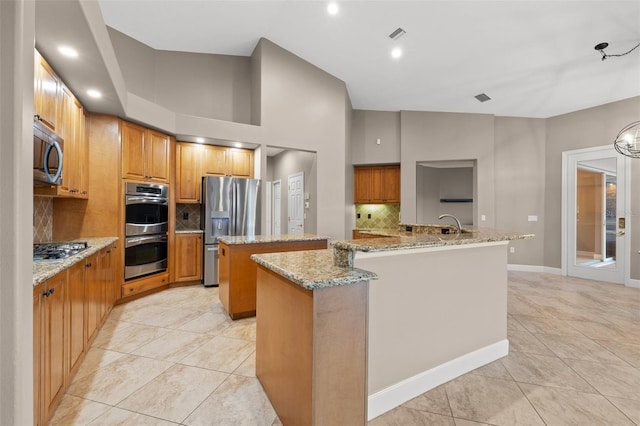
533,58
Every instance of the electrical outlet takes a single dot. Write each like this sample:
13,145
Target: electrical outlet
358,216
512,249
185,215
369,216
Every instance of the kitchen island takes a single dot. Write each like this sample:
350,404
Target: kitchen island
437,310
237,273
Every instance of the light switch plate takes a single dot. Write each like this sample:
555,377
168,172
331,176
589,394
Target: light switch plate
532,218
483,218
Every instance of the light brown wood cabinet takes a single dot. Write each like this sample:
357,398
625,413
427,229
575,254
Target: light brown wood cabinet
46,88
188,266
69,124
145,154
376,184
194,161
68,310
53,336
237,272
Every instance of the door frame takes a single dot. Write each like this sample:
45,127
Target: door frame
565,222
277,207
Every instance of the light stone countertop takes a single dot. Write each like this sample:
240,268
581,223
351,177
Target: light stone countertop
398,240
312,269
257,239
45,269
189,231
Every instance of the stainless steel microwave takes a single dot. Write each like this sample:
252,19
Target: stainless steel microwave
47,155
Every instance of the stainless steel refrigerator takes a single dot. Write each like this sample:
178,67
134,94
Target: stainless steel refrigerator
230,206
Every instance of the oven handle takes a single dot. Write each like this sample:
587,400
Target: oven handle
145,200
136,241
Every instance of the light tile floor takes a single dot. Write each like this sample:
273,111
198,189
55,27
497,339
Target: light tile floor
175,358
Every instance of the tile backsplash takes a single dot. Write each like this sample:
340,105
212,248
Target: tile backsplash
193,211
42,219
382,216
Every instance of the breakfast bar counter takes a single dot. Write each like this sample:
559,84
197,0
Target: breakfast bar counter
436,310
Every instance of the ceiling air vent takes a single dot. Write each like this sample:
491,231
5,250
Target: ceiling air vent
397,34
482,97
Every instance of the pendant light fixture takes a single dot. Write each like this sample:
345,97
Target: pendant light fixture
628,140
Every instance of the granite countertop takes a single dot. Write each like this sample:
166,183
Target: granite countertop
427,237
256,239
189,231
43,270
312,269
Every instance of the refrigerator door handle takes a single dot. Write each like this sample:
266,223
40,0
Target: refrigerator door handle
234,208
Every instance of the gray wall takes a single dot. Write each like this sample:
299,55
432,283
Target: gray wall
203,85
520,177
367,127
433,183
304,108
17,32
287,163
583,129
438,136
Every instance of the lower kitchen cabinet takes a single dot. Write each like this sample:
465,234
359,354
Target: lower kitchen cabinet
68,310
52,335
75,307
188,257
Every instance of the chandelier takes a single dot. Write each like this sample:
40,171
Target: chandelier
628,140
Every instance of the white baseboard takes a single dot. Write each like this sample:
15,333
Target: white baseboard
401,392
633,283
534,268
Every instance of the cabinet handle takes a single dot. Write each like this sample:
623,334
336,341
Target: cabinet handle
130,289
108,251
88,265
49,292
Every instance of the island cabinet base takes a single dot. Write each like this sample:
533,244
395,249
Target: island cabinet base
237,272
311,350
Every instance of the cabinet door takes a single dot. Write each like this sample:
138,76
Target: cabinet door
188,257
156,151
376,185
66,131
188,179
133,163
362,182
391,184
215,161
47,93
92,298
104,265
75,314
81,167
37,355
240,163
53,339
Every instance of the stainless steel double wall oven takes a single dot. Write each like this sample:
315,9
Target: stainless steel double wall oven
146,225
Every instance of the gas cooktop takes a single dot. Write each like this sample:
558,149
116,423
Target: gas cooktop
57,251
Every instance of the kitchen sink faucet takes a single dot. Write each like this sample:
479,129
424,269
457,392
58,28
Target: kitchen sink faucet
454,218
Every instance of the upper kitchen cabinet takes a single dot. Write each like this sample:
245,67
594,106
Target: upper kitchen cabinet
376,184
194,161
240,163
71,127
47,92
145,154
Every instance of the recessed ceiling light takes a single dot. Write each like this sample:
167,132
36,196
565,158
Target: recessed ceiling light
94,93
332,8
67,51
200,140
396,53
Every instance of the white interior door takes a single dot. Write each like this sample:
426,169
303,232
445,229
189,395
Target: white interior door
269,198
277,207
594,214
296,203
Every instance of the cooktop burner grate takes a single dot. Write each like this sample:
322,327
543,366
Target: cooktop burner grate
57,251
